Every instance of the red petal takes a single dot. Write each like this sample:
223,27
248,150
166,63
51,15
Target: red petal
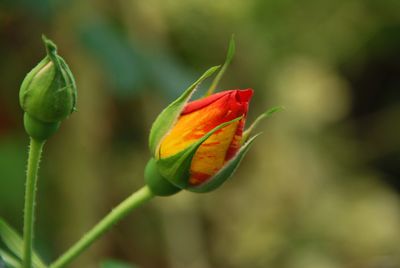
242,96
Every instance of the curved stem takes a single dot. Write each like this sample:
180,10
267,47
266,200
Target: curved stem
35,151
133,201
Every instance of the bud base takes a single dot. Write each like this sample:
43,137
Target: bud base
39,130
158,184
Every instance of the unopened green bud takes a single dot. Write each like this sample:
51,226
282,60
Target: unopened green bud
47,94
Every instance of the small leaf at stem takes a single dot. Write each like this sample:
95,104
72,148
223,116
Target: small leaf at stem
8,261
15,244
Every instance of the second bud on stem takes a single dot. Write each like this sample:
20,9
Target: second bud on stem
48,94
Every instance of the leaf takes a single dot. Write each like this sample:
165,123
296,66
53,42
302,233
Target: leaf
176,168
7,260
266,114
229,57
167,118
226,172
15,244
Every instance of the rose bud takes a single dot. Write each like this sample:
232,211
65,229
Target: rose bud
198,145
200,117
47,94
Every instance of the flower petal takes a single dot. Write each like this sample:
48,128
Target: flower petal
210,156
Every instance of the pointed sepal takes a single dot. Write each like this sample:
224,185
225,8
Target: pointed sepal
176,168
225,172
268,113
167,118
228,59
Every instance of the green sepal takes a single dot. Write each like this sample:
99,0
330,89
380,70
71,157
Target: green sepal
71,83
225,172
176,168
29,77
228,59
266,114
14,243
157,183
167,118
64,73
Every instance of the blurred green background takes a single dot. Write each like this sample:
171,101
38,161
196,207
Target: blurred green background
320,188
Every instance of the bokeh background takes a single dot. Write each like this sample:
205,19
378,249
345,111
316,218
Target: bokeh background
320,188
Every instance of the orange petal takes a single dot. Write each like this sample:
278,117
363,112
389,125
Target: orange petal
210,156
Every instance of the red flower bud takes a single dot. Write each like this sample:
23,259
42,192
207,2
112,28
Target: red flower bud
198,145
200,117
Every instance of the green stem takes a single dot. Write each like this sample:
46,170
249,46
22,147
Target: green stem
35,151
133,201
